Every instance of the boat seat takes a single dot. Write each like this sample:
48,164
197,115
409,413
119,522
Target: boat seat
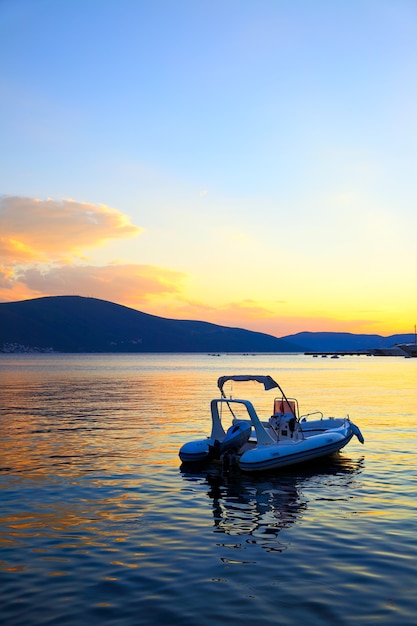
284,406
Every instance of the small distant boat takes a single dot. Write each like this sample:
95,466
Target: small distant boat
286,438
391,351
410,349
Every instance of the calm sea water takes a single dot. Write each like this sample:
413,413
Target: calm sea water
100,524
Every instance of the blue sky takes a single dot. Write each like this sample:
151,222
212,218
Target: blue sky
264,154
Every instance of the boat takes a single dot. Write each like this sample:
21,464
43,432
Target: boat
407,349
391,351
254,445
410,349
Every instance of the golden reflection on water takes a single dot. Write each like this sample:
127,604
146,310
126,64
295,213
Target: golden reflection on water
110,426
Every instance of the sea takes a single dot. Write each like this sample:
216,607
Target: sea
100,523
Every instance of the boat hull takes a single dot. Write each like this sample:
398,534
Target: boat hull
279,455
195,451
206,449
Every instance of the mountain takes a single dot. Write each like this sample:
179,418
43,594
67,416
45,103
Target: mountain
345,342
78,324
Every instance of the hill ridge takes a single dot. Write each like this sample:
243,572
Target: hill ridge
327,341
72,323
83,324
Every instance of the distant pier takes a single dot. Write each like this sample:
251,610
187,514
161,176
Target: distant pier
336,355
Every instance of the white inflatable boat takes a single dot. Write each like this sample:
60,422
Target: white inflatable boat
284,439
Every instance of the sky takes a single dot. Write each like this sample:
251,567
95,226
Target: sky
250,163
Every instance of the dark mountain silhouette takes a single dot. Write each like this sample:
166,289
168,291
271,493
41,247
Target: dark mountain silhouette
348,342
77,324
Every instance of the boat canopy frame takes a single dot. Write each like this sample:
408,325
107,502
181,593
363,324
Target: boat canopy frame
267,381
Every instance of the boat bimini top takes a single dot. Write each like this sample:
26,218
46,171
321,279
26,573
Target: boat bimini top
269,383
266,381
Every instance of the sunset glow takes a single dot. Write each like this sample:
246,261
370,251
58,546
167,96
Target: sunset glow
250,164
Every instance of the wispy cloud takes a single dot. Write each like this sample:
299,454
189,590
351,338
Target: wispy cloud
43,245
238,314
120,283
42,230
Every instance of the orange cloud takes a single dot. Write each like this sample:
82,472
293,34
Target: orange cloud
41,245
118,283
32,229
244,314
249,314
6,277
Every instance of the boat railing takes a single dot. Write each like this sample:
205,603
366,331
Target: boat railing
303,418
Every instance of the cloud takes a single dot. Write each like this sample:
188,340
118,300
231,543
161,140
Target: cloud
42,230
42,244
6,277
238,314
274,320
128,283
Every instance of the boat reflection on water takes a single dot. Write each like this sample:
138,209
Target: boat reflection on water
257,509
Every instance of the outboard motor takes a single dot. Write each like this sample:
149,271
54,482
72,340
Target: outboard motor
215,449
